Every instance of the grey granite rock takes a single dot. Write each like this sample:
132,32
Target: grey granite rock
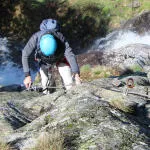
95,115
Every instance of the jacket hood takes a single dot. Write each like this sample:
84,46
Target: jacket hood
48,24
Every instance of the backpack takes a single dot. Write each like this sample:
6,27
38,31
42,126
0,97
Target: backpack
52,27
57,56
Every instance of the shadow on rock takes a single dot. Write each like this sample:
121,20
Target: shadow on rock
12,88
142,117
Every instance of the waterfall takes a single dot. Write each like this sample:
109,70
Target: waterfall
10,72
118,39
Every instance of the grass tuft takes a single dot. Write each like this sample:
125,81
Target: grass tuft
4,146
49,141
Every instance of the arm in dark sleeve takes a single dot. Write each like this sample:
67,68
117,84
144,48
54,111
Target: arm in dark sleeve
70,56
28,49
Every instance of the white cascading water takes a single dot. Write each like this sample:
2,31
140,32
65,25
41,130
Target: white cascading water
11,73
118,39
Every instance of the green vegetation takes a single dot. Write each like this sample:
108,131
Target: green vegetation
82,20
48,119
119,10
136,68
89,73
85,68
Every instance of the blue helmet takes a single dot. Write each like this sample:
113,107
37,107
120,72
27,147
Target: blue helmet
48,44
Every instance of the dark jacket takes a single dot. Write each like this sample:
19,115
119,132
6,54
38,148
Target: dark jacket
33,44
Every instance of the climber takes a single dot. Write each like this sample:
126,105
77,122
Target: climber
51,49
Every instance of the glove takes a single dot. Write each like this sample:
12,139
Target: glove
77,79
27,82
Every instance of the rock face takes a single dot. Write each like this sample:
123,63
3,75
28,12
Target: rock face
93,58
139,24
130,56
85,117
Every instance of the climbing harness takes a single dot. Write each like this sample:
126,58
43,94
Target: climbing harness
49,85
